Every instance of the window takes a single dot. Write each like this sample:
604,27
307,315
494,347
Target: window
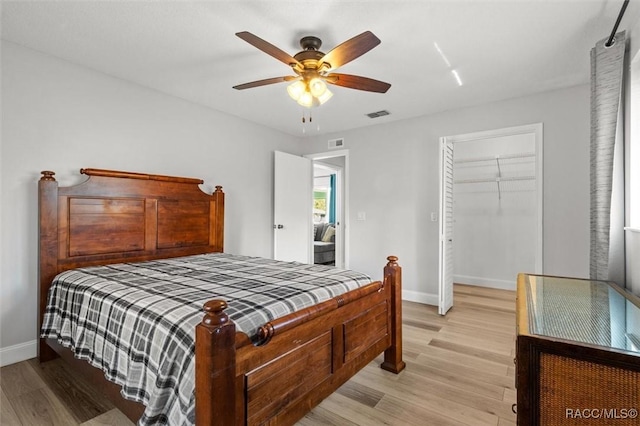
320,204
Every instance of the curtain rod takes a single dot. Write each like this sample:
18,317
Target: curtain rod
610,42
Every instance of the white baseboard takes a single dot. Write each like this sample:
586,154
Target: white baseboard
420,297
486,282
19,352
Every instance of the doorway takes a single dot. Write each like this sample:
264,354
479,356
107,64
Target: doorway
331,185
491,208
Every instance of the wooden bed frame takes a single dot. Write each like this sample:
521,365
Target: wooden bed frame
302,358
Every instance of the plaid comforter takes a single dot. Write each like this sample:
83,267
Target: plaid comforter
136,321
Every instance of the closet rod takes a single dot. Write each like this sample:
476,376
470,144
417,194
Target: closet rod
496,157
612,37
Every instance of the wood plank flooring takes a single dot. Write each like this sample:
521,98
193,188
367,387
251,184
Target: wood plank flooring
459,372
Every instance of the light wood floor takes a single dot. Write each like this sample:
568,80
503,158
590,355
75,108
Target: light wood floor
459,371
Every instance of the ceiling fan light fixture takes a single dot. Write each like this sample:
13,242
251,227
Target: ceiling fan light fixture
296,90
306,99
325,96
317,87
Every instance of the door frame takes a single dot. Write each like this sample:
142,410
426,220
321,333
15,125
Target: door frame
537,130
342,230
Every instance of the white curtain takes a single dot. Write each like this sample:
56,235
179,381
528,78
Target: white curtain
607,174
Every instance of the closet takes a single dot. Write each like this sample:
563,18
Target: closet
497,206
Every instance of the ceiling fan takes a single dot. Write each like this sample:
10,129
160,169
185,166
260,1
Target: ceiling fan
313,68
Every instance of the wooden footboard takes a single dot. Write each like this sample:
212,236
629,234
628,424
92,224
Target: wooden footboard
303,358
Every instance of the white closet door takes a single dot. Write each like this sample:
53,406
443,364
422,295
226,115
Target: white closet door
445,299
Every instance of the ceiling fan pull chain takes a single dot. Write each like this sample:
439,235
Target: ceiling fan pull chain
304,120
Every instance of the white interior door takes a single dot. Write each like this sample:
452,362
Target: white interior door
445,278
292,208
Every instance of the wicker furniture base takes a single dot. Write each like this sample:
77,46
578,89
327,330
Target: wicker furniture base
574,391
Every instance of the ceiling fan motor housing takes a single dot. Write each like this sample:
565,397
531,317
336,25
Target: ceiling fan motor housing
310,43
310,56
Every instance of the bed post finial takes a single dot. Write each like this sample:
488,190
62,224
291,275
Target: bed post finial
47,175
215,366
393,355
214,315
218,188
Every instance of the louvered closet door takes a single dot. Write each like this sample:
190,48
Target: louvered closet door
445,299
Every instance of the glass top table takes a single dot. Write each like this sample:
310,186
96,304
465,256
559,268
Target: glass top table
585,311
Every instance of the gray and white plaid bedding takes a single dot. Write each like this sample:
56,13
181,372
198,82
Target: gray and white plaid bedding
136,321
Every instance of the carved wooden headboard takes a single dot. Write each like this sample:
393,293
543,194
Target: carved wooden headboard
122,217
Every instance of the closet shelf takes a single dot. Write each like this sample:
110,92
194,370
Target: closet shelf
499,178
495,179
495,157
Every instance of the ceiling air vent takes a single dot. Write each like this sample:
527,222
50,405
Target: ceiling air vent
336,143
378,114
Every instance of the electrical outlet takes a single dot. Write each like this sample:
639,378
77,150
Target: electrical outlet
434,217
362,216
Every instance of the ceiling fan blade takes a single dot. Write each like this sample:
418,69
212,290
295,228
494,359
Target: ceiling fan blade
357,82
350,50
264,82
267,48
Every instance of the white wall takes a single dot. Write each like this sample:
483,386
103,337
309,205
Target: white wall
394,180
62,117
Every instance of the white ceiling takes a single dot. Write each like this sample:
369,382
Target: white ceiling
501,49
